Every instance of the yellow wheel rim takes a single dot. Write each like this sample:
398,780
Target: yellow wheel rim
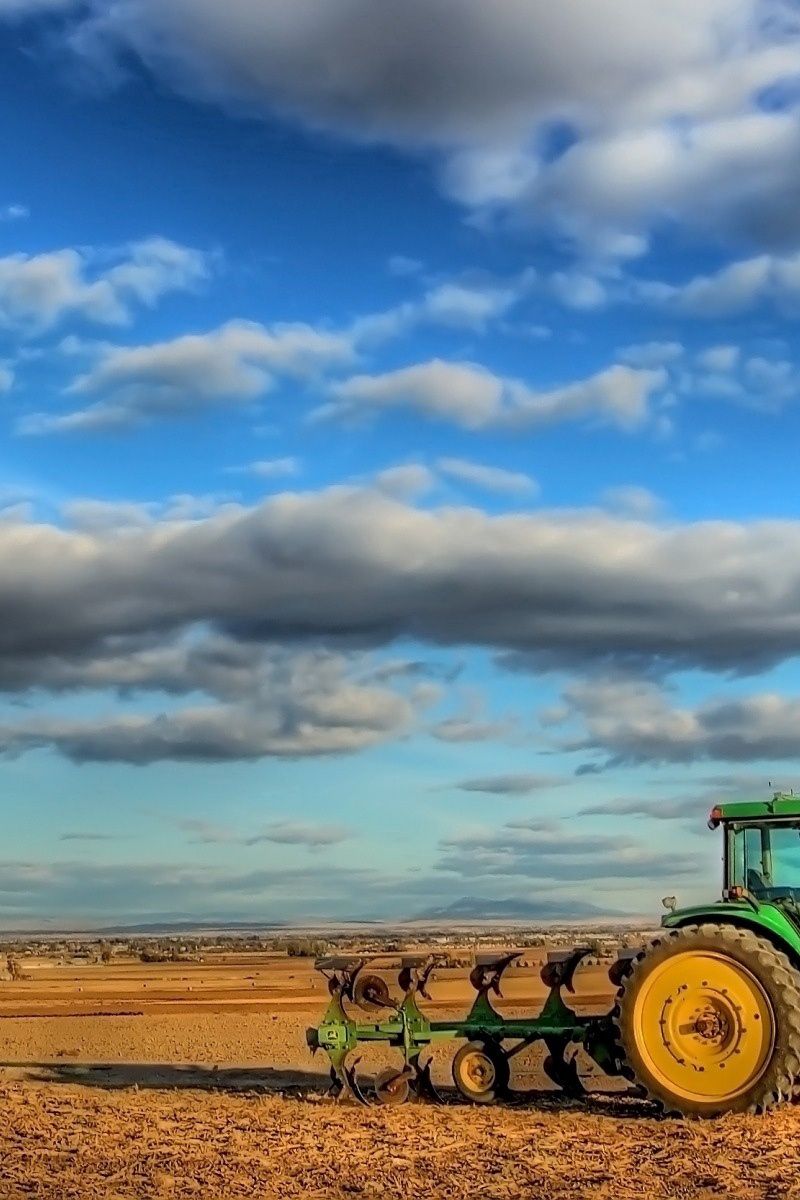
478,1071
704,1026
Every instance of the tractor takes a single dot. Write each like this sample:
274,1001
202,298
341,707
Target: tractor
706,1018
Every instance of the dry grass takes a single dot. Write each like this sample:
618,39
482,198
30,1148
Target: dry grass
65,1142
207,1090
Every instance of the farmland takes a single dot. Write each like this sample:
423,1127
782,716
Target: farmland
127,1079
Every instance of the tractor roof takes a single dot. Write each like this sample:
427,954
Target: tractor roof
780,807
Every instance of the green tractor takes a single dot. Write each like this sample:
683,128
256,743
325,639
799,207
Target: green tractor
706,1018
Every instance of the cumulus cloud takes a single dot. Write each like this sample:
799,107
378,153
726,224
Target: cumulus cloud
453,304
766,281
661,105
725,373
632,722
105,516
474,398
13,212
353,565
38,291
492,479
406,480
739,287
234,364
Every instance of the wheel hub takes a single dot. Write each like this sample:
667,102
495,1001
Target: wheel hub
711,1025
479,1070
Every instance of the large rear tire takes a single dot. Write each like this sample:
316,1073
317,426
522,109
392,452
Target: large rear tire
708,1021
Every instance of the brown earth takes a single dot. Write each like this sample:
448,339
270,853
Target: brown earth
194,1079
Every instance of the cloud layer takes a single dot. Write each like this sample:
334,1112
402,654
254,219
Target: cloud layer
269,701
633,722
603,119
353,563
213,606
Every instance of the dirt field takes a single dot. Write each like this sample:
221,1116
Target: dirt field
194,1079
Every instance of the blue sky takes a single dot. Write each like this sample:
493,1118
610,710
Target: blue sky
398,489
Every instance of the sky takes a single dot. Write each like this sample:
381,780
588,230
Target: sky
398,431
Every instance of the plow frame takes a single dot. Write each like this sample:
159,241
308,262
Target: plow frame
409,1030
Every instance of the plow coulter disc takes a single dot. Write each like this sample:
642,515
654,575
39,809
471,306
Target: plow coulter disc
392,1086
481,1072
372,993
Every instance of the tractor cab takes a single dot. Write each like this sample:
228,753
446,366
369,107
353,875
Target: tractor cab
762,850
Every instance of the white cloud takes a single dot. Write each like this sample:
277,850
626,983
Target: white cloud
406,480
402,265
6,377
455,304
632,722
662,102
492,479
234,364
742,286
37,291
472,397
270,468
268,701
577,289
652,354
752,381
13,212
558,588
719,358
463,393
632,500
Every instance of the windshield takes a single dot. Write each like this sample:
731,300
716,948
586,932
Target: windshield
765,859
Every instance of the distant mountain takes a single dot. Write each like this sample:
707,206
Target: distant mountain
477,908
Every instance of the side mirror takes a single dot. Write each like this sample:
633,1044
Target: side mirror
670,903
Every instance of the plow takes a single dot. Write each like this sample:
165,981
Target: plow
703,1020
482,1065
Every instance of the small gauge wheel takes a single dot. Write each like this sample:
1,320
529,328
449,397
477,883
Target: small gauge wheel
481,1072
392,1086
